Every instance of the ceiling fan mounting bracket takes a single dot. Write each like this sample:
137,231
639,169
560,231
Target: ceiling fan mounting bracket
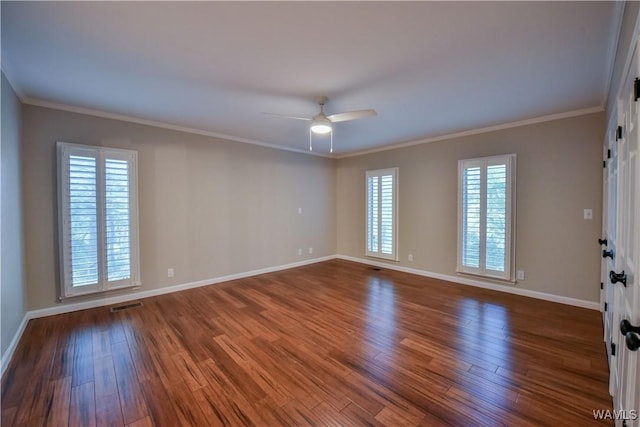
321,100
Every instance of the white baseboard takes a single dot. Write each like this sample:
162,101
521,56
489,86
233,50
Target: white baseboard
67,308
8,354
479,283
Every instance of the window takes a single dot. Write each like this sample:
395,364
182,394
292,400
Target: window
486,210
381,213
98,219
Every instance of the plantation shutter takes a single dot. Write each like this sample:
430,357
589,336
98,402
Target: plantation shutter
118,228
486,205
496,232
373,217
97,190
472,217
381,213
82,231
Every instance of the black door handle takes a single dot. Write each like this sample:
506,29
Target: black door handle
607,254
630,334
633,341
602,241
618,277
626,327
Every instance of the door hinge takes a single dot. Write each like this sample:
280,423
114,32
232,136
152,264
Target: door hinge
608,153
613,349
619,133
606,306
601,285
604,164
636,89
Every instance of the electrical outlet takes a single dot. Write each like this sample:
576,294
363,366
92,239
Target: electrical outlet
410,257
299,251
299,211
310,251
170,272
520,274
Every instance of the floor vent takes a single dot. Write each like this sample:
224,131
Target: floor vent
375,268
126,306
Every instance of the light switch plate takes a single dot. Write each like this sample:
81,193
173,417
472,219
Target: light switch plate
588,214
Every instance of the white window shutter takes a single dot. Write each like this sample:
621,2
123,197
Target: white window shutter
496,218
387,232
381,233
118,224
373,208
98,219
471,211
486,209
82,231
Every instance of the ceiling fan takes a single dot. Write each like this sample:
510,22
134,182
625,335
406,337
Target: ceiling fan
322,124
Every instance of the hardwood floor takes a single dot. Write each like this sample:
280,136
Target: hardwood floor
334,343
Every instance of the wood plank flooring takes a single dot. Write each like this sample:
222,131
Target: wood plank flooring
334,343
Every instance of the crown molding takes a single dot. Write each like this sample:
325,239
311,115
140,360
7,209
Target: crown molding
470,132
163,125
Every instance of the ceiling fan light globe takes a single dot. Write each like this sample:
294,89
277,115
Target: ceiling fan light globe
321,128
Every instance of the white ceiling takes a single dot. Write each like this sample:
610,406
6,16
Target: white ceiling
428,68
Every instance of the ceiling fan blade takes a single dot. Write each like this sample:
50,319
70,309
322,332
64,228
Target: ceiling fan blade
287,116
351,115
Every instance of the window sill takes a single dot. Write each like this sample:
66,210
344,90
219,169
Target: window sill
499,280
90,295
376,257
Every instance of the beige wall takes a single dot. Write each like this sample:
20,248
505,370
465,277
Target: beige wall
12,290
207,207
210,208
559,173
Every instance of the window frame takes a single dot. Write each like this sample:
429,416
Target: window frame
101,154
510,224
394,212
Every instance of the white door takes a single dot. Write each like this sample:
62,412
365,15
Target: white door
608,247
626,393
